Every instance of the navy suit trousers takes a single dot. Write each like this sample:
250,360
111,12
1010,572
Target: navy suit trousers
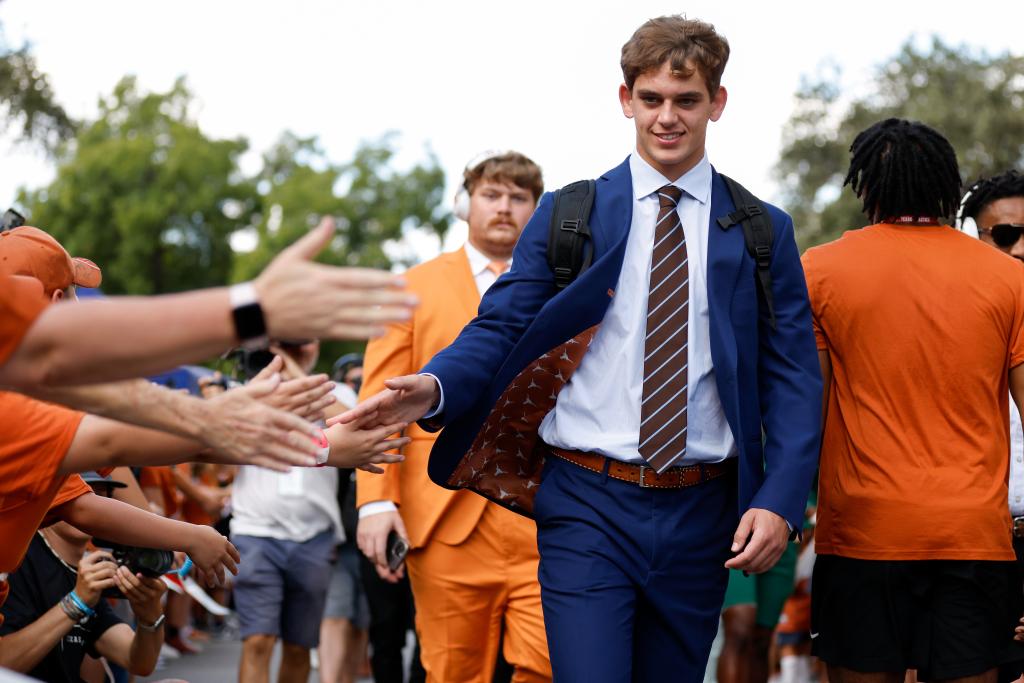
632,579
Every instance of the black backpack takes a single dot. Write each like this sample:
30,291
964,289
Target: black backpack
570,252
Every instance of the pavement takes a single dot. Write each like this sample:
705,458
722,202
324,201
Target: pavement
217,663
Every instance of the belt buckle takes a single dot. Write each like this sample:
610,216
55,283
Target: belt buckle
644,469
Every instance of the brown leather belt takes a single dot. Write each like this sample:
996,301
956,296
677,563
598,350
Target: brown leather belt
644,476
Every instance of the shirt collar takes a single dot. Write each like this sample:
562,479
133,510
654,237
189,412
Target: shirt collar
646,180
477,261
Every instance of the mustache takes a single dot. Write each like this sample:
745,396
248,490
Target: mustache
502,220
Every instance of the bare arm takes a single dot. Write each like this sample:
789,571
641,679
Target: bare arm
24,649
236,423
101,443
113,520
120,338
131,494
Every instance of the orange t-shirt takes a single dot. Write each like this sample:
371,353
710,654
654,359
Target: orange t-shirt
34,438
21,302
162,479
922,325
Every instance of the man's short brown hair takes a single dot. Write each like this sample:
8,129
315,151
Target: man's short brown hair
508,167
686,44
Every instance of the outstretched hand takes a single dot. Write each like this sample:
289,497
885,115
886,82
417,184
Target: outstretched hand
759,541
405,400
306,300
354,444
242,430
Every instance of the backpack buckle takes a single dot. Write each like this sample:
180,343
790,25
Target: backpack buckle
571,225
763,253
752,210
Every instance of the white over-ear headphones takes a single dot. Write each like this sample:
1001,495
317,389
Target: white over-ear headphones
461,205
966,224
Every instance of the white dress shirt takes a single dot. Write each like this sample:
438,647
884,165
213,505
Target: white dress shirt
598,410
1016,462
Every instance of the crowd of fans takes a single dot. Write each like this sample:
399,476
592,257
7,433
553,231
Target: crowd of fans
288,509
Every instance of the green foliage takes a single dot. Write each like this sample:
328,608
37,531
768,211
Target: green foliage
976,100
144,193
27,101
371,202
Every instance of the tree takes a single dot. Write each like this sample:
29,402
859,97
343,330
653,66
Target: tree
27,101
144,193
372,202
976,100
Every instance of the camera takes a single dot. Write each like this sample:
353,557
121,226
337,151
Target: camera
250,362
149,562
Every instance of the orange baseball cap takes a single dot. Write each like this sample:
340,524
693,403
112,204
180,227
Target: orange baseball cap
31,251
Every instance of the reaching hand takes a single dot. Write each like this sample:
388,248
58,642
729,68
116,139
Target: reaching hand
304,396
760,540
211,553
306,300
245,431
354,444
372,538
405,400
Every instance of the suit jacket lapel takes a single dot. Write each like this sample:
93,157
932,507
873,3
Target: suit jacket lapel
463,283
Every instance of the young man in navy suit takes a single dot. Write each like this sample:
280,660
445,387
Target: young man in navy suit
649,416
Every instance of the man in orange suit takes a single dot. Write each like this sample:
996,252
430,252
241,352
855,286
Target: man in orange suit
472,563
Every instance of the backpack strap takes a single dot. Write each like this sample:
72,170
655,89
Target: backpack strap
569,232
752,216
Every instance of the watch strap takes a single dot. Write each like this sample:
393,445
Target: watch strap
150,628
247,314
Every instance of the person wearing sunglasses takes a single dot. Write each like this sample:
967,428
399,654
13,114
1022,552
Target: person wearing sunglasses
993,211
995,207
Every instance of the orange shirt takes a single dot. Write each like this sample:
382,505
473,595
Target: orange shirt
34,438
922,325
162,479
21,302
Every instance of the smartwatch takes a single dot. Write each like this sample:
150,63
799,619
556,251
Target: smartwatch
250,326
150,628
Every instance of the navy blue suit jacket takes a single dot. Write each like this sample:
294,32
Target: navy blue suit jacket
769,380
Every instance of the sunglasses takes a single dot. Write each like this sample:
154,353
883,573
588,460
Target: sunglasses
1004,234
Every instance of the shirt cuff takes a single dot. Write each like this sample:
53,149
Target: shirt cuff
376,507
440,404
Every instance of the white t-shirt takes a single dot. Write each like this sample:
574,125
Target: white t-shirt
293,506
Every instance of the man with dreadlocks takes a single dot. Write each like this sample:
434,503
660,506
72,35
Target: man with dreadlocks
920,335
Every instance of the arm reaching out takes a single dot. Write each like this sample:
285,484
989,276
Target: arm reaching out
406,399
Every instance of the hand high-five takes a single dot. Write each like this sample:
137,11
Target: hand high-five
406,399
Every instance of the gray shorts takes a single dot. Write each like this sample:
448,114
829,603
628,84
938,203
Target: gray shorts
345,596
281,586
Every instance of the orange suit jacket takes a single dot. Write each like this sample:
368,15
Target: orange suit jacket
449,299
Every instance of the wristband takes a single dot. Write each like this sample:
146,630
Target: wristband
70,610
250,325
89,611
324,447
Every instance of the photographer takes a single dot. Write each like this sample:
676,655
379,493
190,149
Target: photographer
55,615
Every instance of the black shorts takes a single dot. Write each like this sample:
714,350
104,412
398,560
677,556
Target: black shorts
945,618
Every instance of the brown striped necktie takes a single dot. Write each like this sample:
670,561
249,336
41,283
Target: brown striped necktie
663,407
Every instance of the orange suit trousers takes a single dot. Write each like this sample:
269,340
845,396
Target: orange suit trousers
469,595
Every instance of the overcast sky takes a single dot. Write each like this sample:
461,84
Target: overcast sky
461,77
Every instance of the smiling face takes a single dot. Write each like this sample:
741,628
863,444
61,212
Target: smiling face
671,115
